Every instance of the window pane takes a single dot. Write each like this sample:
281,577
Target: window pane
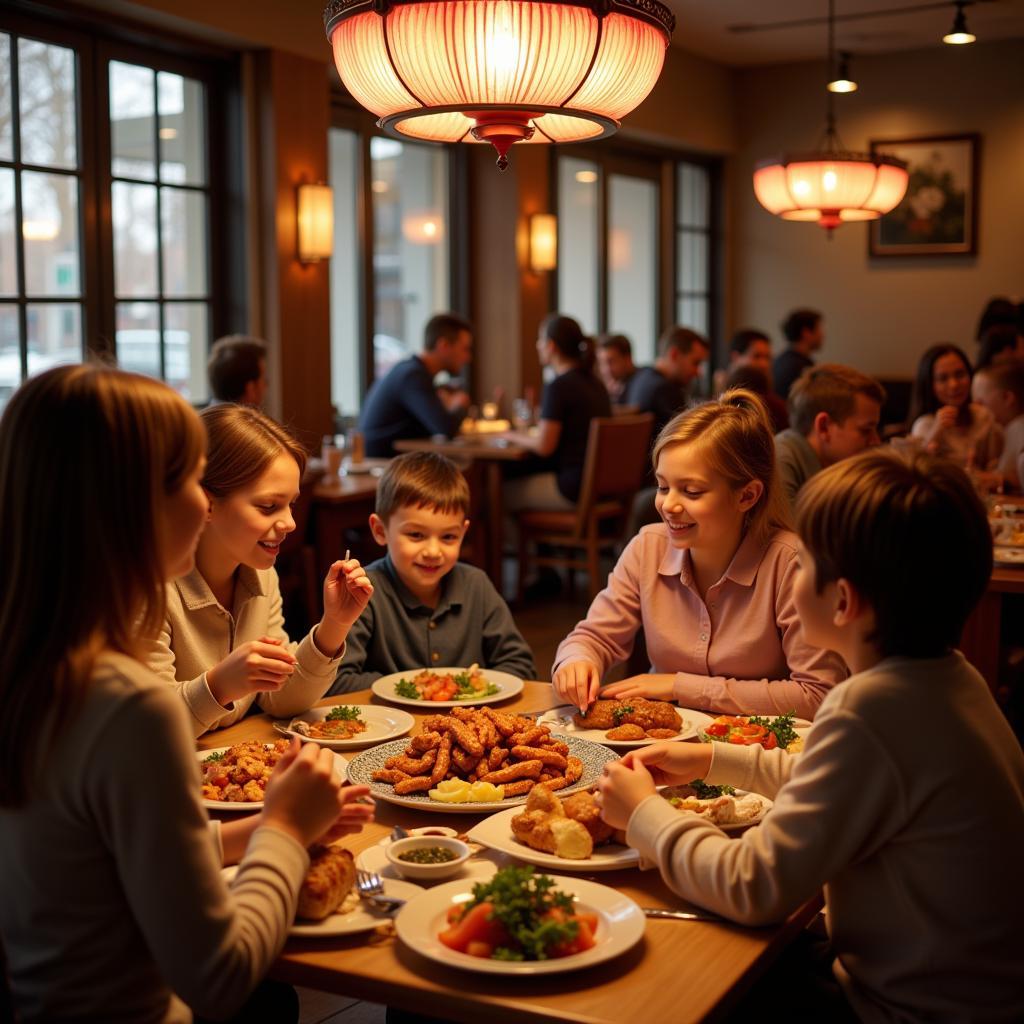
10,353
692,262
692,197
135,239
183,240
182,130
578,249
8,248
410,245
186,343
46,80
6,107
50,229
343,154
54,335
633,262
693,313
138,337
132,110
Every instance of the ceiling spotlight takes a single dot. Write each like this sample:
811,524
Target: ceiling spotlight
842,81
959,34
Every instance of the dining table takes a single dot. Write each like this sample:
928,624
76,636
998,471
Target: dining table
342,501
681,970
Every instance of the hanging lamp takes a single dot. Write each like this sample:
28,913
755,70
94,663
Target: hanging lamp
959,34
499,71
830,185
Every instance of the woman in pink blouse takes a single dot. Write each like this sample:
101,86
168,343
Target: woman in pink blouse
711,586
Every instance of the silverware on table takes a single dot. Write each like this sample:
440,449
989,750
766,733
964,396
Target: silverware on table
370,887
682,915
399,833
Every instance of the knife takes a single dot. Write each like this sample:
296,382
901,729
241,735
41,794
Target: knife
682,915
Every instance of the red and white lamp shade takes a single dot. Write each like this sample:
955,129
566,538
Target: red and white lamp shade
499,71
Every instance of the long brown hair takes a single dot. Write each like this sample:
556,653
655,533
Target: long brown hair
88,455
734,432
243,442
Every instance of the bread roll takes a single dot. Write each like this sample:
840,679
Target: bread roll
331,875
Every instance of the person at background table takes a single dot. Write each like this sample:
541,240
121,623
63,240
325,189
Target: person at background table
237,370
570,400
615,365
945,420
907,802
428,608
1000,389
113,905
804,336
1001,343
223,643
405,405
835,411
751,349
712,585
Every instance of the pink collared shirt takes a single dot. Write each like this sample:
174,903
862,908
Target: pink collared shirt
739,651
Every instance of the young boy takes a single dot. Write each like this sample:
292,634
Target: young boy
908,801
428,608
1000,388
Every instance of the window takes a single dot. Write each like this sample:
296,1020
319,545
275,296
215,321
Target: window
579,247
633,262
693,247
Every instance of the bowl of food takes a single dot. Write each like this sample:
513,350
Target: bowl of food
427,858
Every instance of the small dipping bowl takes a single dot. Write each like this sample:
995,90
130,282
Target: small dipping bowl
427,872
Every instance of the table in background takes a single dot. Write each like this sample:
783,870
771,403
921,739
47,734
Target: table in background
340,504
683,971
982,635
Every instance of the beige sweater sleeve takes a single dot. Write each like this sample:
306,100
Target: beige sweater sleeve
825,817
212,946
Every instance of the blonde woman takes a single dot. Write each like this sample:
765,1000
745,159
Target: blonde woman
113,906
711,585
223,642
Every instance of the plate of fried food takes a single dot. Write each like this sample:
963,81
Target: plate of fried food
328,902
447,687
732,810
235,778
345,726
623,724
561,833
477,761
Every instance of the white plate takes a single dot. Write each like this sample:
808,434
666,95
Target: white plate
508,686
479,869
381,724
1008,555
253,805
560,720
365,763
361,919
738,826
495,832
620,926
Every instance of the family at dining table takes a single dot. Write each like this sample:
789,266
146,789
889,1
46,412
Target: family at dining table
826,599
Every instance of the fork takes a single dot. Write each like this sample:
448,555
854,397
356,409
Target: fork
370,887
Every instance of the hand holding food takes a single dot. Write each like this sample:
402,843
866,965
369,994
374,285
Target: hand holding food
655,687
355,809
302,801
578,682
252,667
347,591
623,787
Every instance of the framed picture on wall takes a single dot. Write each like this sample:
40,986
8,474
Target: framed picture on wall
939,214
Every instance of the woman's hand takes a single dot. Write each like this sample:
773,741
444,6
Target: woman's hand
578,682
673,764
253,667
355,809
623,787
945,418
347,592
655,687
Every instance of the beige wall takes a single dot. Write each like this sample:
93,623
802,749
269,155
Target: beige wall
882,313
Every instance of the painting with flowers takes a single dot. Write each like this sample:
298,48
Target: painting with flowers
938,215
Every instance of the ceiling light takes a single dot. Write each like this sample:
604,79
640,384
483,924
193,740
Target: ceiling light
959,34
499,71
842,81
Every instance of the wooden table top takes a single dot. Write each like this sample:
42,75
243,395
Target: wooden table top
682,971
468,446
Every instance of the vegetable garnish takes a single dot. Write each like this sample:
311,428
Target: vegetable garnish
781,726
620,712
403,688
344,714
703,791
754,730
217,755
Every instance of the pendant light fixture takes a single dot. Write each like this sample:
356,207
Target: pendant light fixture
499,71
830,185
959,34
842,81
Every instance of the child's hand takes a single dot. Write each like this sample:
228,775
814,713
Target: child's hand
622,788
673,764
354,811
302,799
253,667
654,687
577,682
347,591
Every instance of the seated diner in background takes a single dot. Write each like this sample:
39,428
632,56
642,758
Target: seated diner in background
223,644
804,336
237,370
615,365
405,405
711,586
907,803
1000,389
751,349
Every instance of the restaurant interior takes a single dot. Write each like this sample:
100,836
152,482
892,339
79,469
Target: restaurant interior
174,171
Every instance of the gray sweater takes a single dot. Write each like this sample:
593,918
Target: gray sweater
396,632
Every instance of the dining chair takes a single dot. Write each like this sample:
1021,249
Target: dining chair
296,564
618,451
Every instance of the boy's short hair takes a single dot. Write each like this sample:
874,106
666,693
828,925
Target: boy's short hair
423,480
234,361
797,322
446,327
909,532
616,343
682,339
829,388
1006,377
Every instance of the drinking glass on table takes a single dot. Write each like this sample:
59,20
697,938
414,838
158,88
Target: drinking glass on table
331,451
522,413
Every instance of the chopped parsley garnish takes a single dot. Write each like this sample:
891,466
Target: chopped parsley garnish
781,726
705,792
344,714
403,688
217,755
620,712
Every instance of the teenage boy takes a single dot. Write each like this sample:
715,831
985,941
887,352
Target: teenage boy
804,336
907,803
428,608
1000,388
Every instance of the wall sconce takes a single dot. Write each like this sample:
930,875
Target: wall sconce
315,223
543,253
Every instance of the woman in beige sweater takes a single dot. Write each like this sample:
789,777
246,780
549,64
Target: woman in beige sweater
223,643
113,907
